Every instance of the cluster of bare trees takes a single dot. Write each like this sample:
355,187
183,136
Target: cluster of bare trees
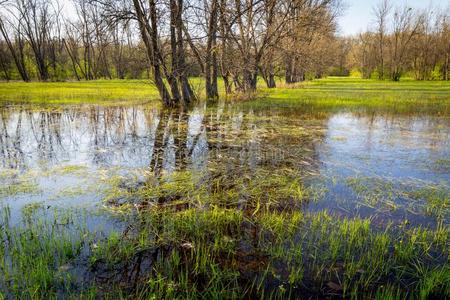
240,40
37,41
404,41
169,41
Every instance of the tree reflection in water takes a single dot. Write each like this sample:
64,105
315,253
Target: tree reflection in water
223,139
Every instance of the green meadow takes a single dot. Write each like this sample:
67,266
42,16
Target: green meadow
78,92
331,92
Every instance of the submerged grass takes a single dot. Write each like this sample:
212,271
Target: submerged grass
215,238
416,197
12,183
263,190
18,188
210,237
33,256
442,165
224,253
78,170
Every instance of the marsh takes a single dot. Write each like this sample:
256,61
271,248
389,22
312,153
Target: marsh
294,193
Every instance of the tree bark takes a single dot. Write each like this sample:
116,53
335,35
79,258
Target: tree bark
150,39
211,56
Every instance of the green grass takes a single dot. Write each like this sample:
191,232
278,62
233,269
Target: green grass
215,238
330,93
224,253
212,245
34,256
350,93
79,92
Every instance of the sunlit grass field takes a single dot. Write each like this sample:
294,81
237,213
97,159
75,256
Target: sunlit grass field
78,92
351,93
330,92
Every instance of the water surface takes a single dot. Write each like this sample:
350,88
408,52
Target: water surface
359,163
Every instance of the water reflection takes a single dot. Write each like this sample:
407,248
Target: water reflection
145,137
325,145
387,145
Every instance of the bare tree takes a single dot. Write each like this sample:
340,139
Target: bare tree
36,19
381,13
15,47
405,28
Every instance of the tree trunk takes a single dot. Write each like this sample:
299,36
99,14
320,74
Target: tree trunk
446,67
18,58
72,59
269,76
271,81
174,74
211,56
150,38
227,83
186,90
4,66
289,72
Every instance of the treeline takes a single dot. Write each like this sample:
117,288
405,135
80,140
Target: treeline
38,42
169,41
403,42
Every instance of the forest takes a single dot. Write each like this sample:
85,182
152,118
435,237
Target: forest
224,149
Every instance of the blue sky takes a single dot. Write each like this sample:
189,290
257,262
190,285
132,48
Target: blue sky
358,15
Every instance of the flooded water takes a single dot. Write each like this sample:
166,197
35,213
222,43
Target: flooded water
359,163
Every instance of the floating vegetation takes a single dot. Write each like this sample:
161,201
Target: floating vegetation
442,165
417,197
18,187
262,190
437,200
60,170
72,192
373,190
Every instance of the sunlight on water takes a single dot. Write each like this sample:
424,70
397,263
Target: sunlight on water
69,157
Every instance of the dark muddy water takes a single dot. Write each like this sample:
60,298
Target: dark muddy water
359,163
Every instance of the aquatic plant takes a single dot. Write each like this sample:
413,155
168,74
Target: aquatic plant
33,257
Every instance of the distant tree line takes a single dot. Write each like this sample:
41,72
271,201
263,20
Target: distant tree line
403,41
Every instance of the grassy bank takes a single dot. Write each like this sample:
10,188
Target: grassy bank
330,93
351,93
